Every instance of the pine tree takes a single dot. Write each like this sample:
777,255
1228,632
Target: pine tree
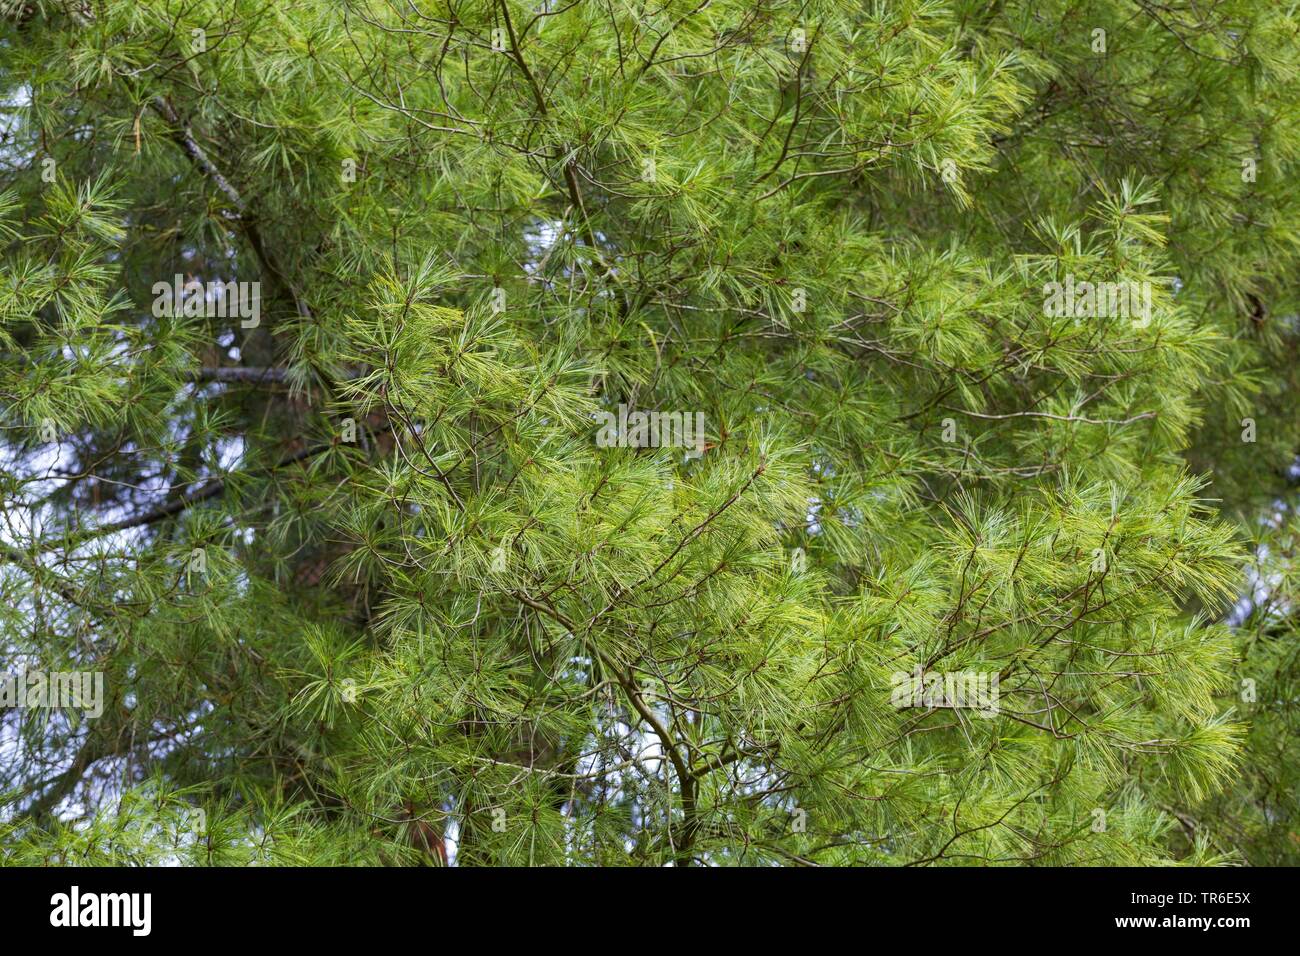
607,433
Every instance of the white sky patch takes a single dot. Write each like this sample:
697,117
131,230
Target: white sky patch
15,148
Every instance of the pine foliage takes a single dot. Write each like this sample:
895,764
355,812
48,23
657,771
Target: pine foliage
364,585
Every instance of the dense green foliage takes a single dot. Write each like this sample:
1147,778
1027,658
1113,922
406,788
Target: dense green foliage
365,587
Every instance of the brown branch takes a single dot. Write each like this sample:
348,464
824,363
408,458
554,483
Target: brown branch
254,376
183,137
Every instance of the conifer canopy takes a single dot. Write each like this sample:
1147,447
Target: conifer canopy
605,433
